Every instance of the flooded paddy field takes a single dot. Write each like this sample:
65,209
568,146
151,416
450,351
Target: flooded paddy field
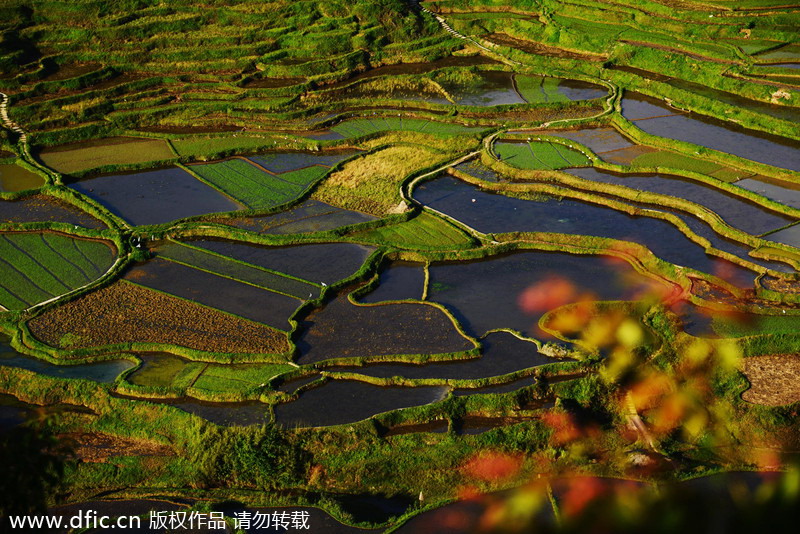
307,217
346,401
343,330
155,197
244,300
253,236
506,295
501,354
398,281
655,117
105,372
42,208
326,262
739,212
495,213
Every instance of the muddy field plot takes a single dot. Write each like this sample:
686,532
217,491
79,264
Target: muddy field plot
17,178
36,266
127,313
111,151
774,379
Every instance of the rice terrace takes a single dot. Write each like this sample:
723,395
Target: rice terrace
401,266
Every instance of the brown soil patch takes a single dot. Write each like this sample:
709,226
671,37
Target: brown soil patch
774,379
127,313
96,447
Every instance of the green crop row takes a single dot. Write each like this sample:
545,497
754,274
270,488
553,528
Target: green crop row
540,155
38,266
248,184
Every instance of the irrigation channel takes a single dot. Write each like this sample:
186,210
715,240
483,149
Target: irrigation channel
386,253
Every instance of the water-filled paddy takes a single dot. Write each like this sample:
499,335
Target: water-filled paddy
737,211
309,216
501,292
155,197
494,213
501,354
226,413
104,372
340,329
16,178
399,281
326,262
37,208
656,118
218,292
347,401
786,193
788,236
210,262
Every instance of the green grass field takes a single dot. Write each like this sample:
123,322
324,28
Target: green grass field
536,89
540,155
238,378
255,188
35,267
424,231
241,271
366,126
674,160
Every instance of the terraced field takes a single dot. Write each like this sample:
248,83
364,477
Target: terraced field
38,266
366,258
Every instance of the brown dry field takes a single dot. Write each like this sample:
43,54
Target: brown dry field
127,313
774,379
97,447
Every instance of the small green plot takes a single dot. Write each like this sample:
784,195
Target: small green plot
540,155
537,89
36,266
238,378
240,271
423,231
256,188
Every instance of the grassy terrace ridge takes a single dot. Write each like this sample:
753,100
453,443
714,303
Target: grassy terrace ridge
349,112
